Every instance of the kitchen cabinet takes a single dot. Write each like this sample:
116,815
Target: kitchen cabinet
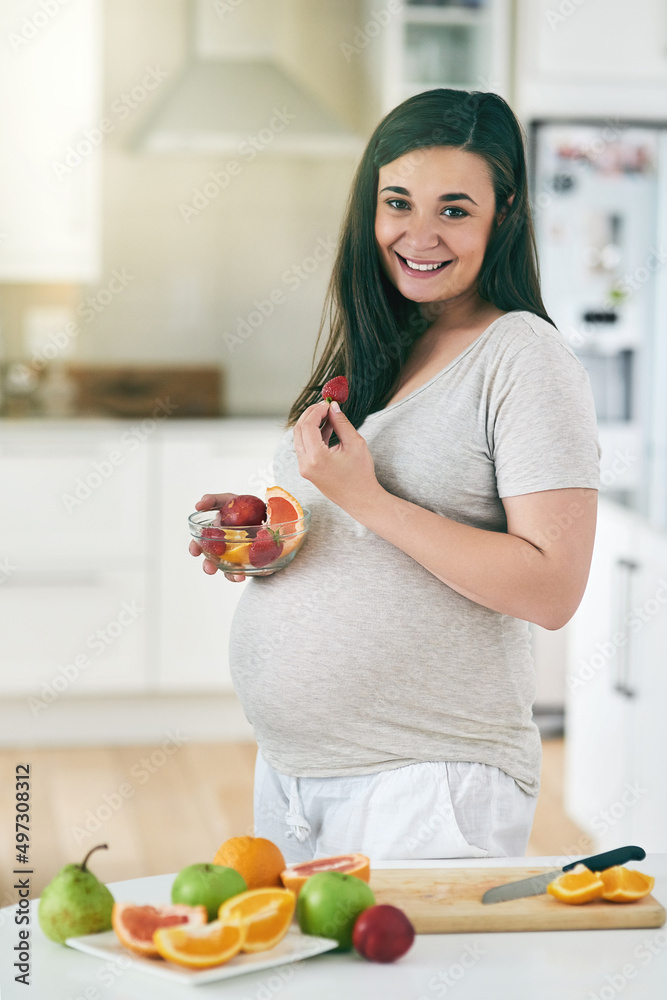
52,129
195,611
549,649
74,510
420,46
646,690
597,718
616,687
75,496
591,58
99,594
73,634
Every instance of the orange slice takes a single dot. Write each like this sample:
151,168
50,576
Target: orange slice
351,864
577,886
283,509
236,553
624,885
136,925
265,914
200,947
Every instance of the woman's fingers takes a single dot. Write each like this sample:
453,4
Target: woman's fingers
214,501
235,577
298,428
326,430
196,550
309,430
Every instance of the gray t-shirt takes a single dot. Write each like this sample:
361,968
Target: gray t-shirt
356,659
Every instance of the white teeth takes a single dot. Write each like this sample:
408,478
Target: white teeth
424,267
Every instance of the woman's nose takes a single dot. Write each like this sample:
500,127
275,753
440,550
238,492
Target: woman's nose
421,232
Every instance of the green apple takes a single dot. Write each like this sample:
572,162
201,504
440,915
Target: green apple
329,904
207,885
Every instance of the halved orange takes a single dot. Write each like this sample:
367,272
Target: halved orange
351,864
577,886
200,947
136,925
625,885
266,915
283,509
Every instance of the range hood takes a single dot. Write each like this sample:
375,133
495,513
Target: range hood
235,94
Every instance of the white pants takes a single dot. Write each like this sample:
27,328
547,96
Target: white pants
420,811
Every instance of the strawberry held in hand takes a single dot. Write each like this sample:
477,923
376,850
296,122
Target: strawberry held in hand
336,389
266,547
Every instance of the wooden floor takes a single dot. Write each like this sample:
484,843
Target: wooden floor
159,812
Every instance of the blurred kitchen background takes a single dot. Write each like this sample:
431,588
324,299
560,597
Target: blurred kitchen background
172,178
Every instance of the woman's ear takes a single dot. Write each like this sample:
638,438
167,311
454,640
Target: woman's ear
504,210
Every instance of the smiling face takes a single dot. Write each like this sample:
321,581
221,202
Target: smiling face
435,213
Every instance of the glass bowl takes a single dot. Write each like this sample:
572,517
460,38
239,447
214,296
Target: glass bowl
238,550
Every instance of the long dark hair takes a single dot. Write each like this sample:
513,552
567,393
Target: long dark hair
371,325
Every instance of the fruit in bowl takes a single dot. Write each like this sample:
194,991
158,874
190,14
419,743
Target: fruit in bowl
250,536
242,509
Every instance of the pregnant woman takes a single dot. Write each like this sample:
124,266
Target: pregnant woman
387,671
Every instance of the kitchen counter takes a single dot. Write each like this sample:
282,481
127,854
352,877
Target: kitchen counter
553,965
36,422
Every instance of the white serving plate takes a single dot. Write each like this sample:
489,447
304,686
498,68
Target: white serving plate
294,947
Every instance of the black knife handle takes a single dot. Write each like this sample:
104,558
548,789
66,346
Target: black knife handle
609,859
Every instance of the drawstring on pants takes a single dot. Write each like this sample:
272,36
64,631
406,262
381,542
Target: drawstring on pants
299,825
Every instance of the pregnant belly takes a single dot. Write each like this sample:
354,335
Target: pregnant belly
287,646
304,645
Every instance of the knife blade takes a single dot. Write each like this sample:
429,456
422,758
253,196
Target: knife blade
537,884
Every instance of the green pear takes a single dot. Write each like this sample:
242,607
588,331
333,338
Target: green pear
75,903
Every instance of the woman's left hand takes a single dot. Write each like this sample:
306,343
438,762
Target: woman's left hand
344,473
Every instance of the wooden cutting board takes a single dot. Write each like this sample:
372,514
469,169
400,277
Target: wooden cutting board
449,900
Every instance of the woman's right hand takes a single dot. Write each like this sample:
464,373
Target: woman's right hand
213,501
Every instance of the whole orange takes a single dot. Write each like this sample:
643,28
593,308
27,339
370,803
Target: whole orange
258,860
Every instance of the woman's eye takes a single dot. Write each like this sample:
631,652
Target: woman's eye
400,205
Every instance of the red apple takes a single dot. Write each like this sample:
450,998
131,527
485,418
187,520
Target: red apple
242,510
383,933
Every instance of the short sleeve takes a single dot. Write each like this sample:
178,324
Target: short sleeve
542,426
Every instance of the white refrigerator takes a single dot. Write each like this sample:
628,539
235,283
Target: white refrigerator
599,198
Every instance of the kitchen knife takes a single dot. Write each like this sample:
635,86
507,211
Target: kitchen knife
536,885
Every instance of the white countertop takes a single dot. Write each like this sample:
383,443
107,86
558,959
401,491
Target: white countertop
545,965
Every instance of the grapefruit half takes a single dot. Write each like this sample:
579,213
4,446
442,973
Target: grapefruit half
136,925
282,509
350,864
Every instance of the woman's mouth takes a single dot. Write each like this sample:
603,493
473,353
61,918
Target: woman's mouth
421,268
